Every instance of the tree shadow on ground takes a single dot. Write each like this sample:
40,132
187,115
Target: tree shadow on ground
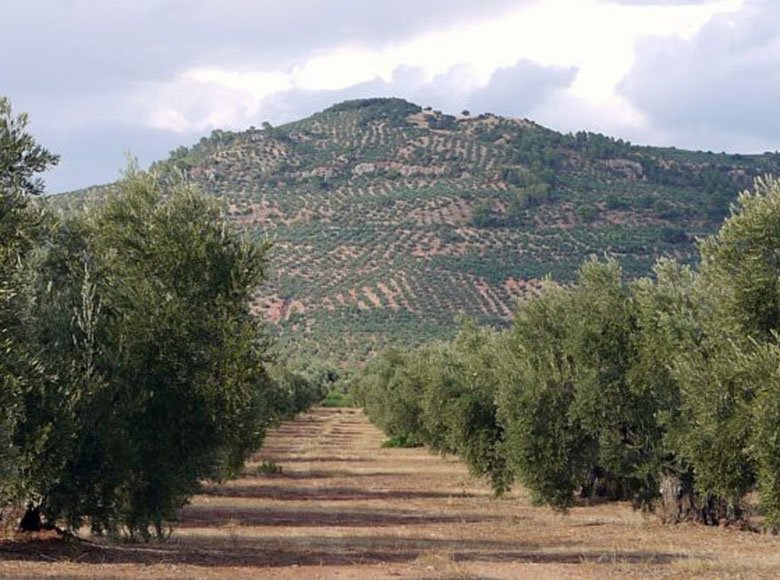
325,459
200,516
325,474
226,550
286,492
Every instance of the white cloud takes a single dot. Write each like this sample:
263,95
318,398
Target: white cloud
595,38
257,84
342,67
170,119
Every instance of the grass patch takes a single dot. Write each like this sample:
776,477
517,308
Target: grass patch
269,467
336,398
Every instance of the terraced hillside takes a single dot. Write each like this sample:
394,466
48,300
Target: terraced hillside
390,221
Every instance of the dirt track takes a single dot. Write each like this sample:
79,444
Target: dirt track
343,507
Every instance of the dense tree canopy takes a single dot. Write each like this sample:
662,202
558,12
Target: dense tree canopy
21,159
154,367
161,369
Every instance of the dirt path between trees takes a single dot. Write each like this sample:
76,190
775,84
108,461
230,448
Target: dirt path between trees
343,507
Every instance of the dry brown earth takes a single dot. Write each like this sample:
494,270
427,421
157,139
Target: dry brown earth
343,507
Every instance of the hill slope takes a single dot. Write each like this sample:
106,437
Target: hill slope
391,221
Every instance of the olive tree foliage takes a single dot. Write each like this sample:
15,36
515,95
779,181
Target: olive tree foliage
764,444
714,431
741,265
158,368
21,159
601,344
579,415
701,396
668,317
296,388
547,445
669,379
442,395
729,382
389,392
459,382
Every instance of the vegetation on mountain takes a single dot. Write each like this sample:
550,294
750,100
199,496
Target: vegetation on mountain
390,222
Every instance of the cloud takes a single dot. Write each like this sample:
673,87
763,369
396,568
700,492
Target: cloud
568,112
515,91
180,113
187,65
661,2
290,105
512,91
719,89
79,45
73,60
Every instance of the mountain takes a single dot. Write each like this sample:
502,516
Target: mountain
391,221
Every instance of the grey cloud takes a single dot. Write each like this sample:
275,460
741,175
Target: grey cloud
295,104
724,81
82,45
285,106
514,91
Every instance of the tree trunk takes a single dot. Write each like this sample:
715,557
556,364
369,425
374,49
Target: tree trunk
31,521
679,501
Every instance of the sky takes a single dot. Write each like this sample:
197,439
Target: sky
102,79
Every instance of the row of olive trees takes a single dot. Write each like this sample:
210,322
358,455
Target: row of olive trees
663,388
130,365
442,395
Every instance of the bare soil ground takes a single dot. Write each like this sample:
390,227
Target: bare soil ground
343,507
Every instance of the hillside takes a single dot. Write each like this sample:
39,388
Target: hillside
391,221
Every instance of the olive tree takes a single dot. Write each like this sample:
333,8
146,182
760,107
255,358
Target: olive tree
549,449
157,368
578,415
729,382
390,392
668,315
460,383
21,159
765,437
741,265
